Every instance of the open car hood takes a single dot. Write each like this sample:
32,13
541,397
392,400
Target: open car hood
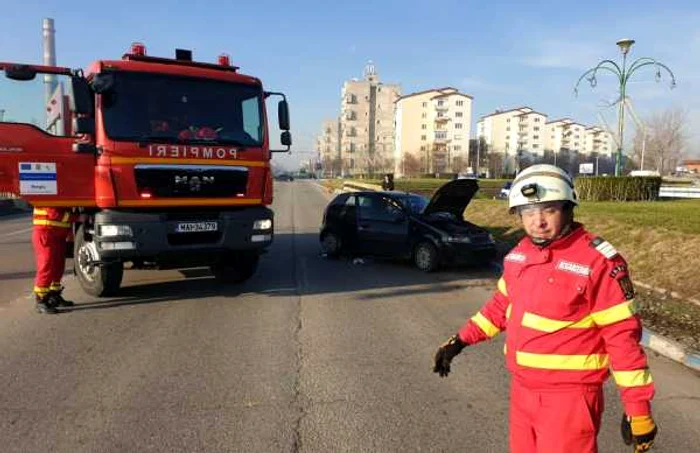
453,197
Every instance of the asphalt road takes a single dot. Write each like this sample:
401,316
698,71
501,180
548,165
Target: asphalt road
310,355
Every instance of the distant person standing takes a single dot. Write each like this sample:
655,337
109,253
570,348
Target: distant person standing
388,182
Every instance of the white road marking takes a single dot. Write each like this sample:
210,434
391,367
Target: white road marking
14,233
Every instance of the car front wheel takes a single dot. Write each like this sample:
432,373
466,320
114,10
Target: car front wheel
426,257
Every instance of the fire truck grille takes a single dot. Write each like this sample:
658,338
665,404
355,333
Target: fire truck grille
191,181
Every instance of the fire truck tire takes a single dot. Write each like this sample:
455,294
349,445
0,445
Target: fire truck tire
236,267
97,280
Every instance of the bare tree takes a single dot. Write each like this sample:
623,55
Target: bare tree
459,164
411,164
665,141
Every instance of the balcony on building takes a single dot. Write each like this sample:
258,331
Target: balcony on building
441,106
441,137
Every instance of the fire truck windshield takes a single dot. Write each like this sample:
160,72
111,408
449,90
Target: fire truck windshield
162,108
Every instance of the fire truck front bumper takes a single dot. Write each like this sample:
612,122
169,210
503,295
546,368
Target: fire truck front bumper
191,237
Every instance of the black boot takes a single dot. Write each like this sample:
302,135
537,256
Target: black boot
45,305
58,300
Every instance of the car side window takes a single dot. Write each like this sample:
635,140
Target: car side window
378,208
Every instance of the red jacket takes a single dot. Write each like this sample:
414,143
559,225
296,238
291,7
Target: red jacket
52,217
568,312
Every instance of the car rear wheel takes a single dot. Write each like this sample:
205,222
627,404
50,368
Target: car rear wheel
426,257
330,245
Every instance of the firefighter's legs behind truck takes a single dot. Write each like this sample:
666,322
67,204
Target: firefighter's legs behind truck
50,253
555,420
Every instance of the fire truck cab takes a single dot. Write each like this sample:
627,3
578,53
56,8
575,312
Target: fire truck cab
166,160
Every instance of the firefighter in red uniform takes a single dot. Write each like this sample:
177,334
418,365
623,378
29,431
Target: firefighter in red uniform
566,303
51,229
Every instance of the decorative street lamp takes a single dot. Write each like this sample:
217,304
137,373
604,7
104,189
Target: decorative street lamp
623,74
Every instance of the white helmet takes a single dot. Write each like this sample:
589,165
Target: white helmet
540,184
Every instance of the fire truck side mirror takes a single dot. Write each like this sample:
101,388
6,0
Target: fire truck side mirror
286,138
283,115
82,101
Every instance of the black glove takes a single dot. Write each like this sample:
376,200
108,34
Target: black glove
643,440
445,353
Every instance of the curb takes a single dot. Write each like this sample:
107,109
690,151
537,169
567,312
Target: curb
669,348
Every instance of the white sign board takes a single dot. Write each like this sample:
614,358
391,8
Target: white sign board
585,169
37,178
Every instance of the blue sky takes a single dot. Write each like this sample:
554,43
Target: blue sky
505,54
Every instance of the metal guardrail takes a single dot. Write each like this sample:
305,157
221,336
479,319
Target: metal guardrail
353,186
679,192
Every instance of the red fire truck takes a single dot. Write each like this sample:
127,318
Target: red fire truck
167,160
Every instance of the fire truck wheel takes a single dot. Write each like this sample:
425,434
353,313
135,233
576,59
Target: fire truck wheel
236,267
98,280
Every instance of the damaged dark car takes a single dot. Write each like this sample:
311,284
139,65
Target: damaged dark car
431,233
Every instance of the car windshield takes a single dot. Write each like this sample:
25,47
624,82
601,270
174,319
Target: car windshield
162,108
415,203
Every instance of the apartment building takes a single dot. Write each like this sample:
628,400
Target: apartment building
366,127
507,131
328,146
523,132
599,142
566,134
433,128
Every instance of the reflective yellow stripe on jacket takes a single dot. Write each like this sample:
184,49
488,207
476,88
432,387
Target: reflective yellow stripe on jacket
485,325
605,317
634,378
63,223
562,362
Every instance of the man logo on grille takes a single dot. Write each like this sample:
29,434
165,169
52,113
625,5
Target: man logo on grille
194,183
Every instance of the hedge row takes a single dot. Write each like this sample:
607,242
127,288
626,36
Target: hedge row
625,188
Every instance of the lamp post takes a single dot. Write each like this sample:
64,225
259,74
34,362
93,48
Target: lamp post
623,74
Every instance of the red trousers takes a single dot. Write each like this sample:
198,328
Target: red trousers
50,253
546,420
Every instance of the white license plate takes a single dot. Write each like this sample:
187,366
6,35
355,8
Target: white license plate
196,227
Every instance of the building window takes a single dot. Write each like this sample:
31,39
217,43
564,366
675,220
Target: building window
537,128
537,120
441,102
425,104
535,146
458,125
460,103
422,148
507,145
458,137
423,115
508,129
508,120
423,126
423,137
457,148
507,137
459,114
536,137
